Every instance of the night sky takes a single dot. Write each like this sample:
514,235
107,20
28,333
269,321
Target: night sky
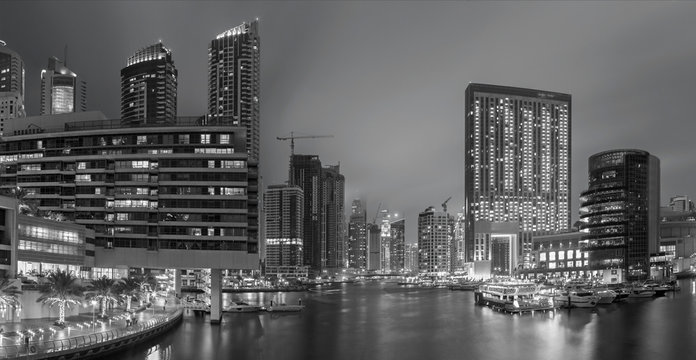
387,79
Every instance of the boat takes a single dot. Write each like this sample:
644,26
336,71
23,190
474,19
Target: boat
606,296
464,286
241,306
659,289
513,297
576,298
284,308
640,292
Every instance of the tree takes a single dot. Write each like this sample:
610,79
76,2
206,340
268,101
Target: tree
61,289
127,289
104,292
9,293
146,283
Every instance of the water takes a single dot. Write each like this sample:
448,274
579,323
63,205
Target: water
385,321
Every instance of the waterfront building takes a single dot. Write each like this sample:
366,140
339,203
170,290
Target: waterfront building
333,221
496,242
517,162
374,247
384,241
174,196
681,203
458,245
411,258
62,91
234,81
557,256
11,85
397,230
435,232
305,172
357,236
620,213
678,237
149,87
34,245
284,206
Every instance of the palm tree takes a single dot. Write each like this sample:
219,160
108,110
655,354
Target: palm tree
127,289
146,283
61,289
104,291
9,293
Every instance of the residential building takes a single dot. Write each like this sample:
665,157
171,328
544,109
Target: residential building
149,87
517,161
397,229
411,258
234,62
333,221
62,91
435,232
374,246
560,256
357,236
11,85
284,212
306,172
620,213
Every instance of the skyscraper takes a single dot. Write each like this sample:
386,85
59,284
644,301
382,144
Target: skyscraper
62,91
620,213
11,85
357,236
517,161
396,246
333,200
148,87
411,258
284,209
234,80
305,172
435,230
373,246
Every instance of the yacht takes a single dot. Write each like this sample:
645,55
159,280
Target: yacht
577,298
512,297
241,306
641,292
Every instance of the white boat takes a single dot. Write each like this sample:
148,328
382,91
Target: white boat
659,289
241,307
641,292
606,296
580,299
285,308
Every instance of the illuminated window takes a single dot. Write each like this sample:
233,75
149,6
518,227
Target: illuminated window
205,138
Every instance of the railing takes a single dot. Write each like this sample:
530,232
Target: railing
34,349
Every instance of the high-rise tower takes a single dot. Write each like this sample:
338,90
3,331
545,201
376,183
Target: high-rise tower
284,209
333,187
11,85
435,230
517,161
357,236
305,172
148,87
234,80
620,213
62,91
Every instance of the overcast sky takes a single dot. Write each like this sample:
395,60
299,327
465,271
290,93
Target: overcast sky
387,79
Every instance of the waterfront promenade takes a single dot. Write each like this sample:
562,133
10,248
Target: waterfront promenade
40,338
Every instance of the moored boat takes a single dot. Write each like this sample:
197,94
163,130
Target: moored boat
285,308
241,307
576,298
640,292
606,296
512,297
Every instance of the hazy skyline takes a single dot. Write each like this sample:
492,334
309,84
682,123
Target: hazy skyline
387,79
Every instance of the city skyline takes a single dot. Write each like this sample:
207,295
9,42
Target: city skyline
370,75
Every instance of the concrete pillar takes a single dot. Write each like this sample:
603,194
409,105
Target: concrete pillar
177,282
215,296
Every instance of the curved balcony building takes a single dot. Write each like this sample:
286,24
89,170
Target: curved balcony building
619,213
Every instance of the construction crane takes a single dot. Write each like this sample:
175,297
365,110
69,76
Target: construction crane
444,204
292,138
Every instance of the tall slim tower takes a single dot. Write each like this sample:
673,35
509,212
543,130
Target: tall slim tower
306,172
435,230
11,85
234,82
62,91
148,87
517,161
396,247
333,188
284,210
357,236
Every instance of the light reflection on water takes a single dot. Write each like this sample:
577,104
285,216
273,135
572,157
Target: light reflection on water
384,321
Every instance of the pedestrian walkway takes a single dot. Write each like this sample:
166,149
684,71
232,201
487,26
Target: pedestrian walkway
33,336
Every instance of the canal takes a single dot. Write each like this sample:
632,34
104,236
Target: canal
386,321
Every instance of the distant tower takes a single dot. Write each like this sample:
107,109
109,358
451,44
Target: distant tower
396,247
435,231
333,200
517,161
284,209
306,172
234,80
620,213
62,91
357,236
11,85
149,86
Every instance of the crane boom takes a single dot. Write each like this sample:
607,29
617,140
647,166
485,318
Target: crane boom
292,138
444,204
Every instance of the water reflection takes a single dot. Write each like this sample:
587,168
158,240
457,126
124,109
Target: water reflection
383,321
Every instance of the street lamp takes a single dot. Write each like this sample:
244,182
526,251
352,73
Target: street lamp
94,305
